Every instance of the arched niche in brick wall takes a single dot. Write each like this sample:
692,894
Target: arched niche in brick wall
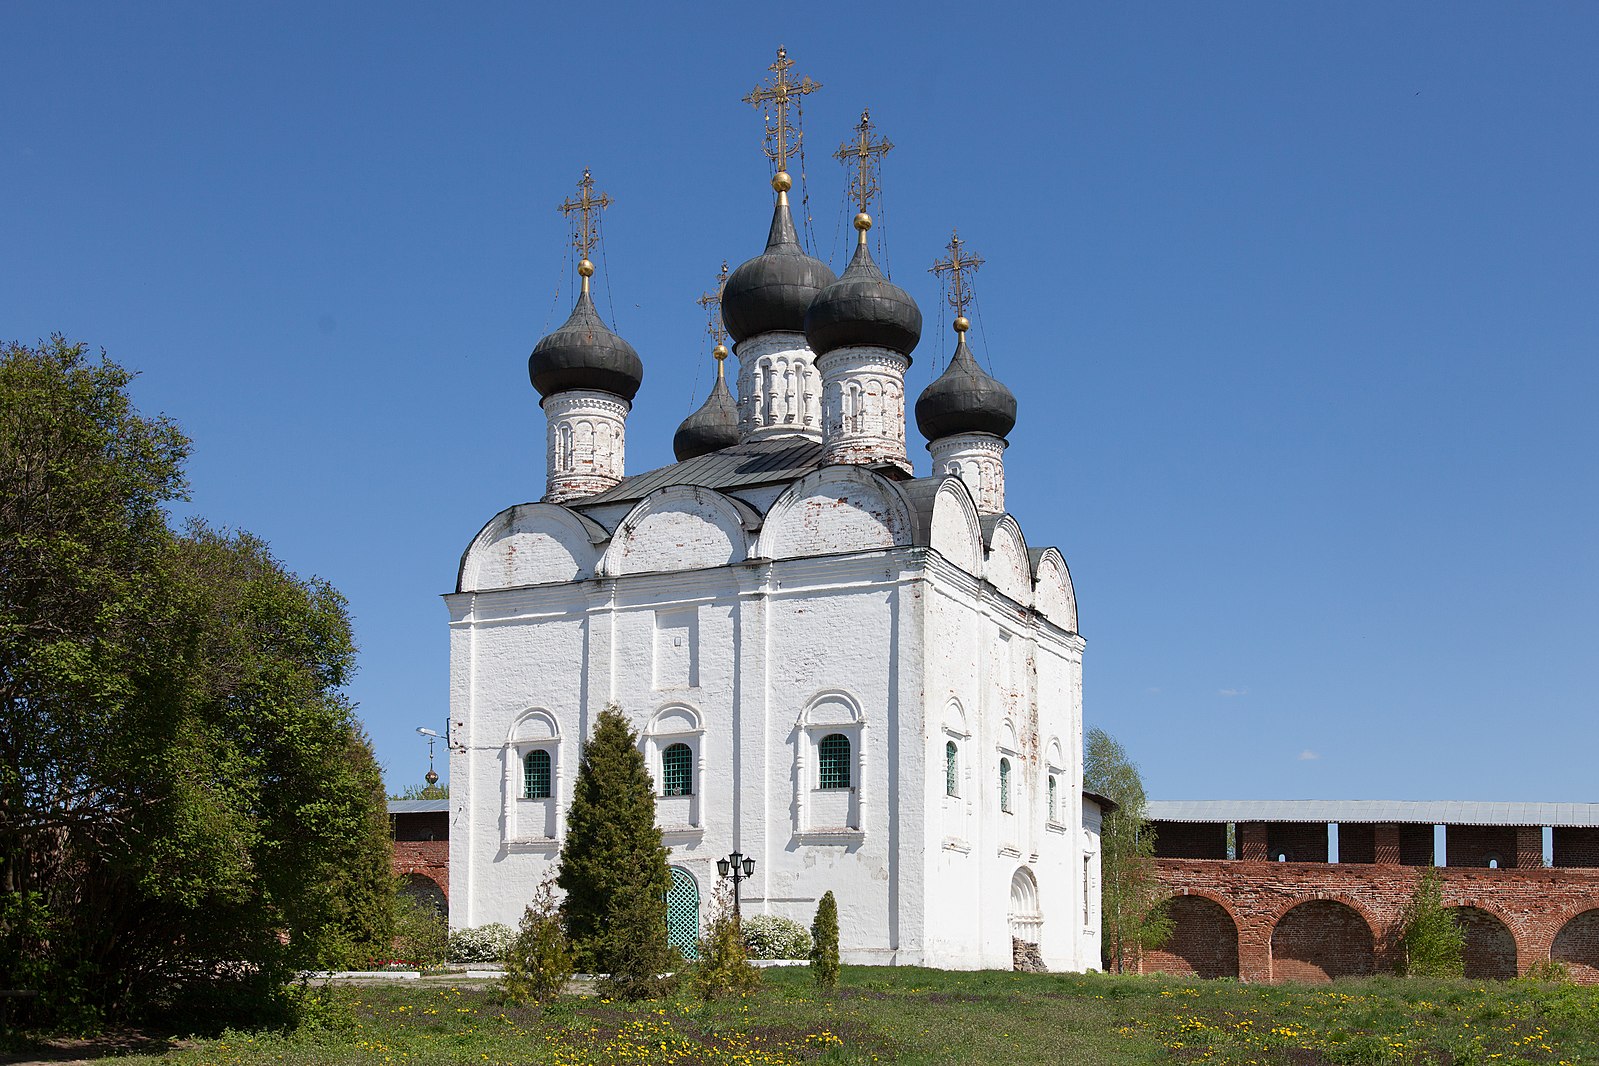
1203,941
1319,940
1577,945
1490,945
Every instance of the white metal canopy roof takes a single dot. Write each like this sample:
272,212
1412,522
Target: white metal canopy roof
1419,812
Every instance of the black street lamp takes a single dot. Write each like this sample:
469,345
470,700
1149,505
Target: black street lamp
738,867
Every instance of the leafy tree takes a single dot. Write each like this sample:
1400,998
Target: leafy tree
724,965
824,942
1434,942
182,783
538,964
1132,900
613,865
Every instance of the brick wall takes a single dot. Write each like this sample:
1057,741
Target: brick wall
1312,921
424,858
1576,847
1190,840
1475,845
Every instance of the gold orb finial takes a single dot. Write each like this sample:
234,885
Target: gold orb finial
720,351
863,222
962,324
782,182
585,268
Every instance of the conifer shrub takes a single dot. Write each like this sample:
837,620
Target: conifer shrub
824,943
724,966
771,936
613,866
1434,943
538,961
485,943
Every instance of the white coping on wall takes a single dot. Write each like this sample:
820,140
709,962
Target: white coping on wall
1356,812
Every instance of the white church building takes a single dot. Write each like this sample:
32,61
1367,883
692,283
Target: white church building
865,679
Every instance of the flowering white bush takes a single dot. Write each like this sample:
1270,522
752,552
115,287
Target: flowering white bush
768,936
486,943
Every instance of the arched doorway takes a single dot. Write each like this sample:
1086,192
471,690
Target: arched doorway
1490,946
426,892
1203,941
683,913
1026,920
1577,945
1319,940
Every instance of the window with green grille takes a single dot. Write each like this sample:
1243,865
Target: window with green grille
536,775
1052,799
677,771
1004,785
833,761
951,770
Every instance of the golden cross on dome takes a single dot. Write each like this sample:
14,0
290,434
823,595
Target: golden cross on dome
865,155
712,302
957,265
779,93
585,231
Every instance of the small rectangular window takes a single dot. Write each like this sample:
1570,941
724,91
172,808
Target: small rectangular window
833,762
677,771
536,775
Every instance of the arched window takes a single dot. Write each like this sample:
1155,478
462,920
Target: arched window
1052,816
833,761
677,771
1004,785
951,770
536,775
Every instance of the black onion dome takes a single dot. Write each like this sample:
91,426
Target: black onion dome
773,290
710,429
585,354
963,399
865,308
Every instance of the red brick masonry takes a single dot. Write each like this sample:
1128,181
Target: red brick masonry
1313,921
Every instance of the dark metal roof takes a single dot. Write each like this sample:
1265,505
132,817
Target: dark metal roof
760,462
711,428
865,308
1106,804
772,291
964,399
419,806
584,354
1361,812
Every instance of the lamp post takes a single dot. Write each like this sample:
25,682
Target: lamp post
738,867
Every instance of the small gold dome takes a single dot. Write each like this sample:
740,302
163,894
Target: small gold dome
863,222
720,351
782,182
585,268
962,324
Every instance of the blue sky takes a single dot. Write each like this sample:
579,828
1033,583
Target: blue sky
1299,302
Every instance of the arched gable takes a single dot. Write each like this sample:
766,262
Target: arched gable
681,527
831,707
1053,594
530,544
674,719
955,719
835,509
1008,741
534,726
957,533
1006,566
1054,754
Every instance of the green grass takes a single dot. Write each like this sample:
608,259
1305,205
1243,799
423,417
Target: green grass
915,1016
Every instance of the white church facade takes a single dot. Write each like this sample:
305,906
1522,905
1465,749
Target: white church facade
866,680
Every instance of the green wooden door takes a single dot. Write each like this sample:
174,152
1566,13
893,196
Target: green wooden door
683,913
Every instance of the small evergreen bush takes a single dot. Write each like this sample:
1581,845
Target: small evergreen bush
724,967
1434,943
770,936
486,943
538,961
824,943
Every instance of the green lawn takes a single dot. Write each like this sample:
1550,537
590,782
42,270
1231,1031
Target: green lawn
908,1015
